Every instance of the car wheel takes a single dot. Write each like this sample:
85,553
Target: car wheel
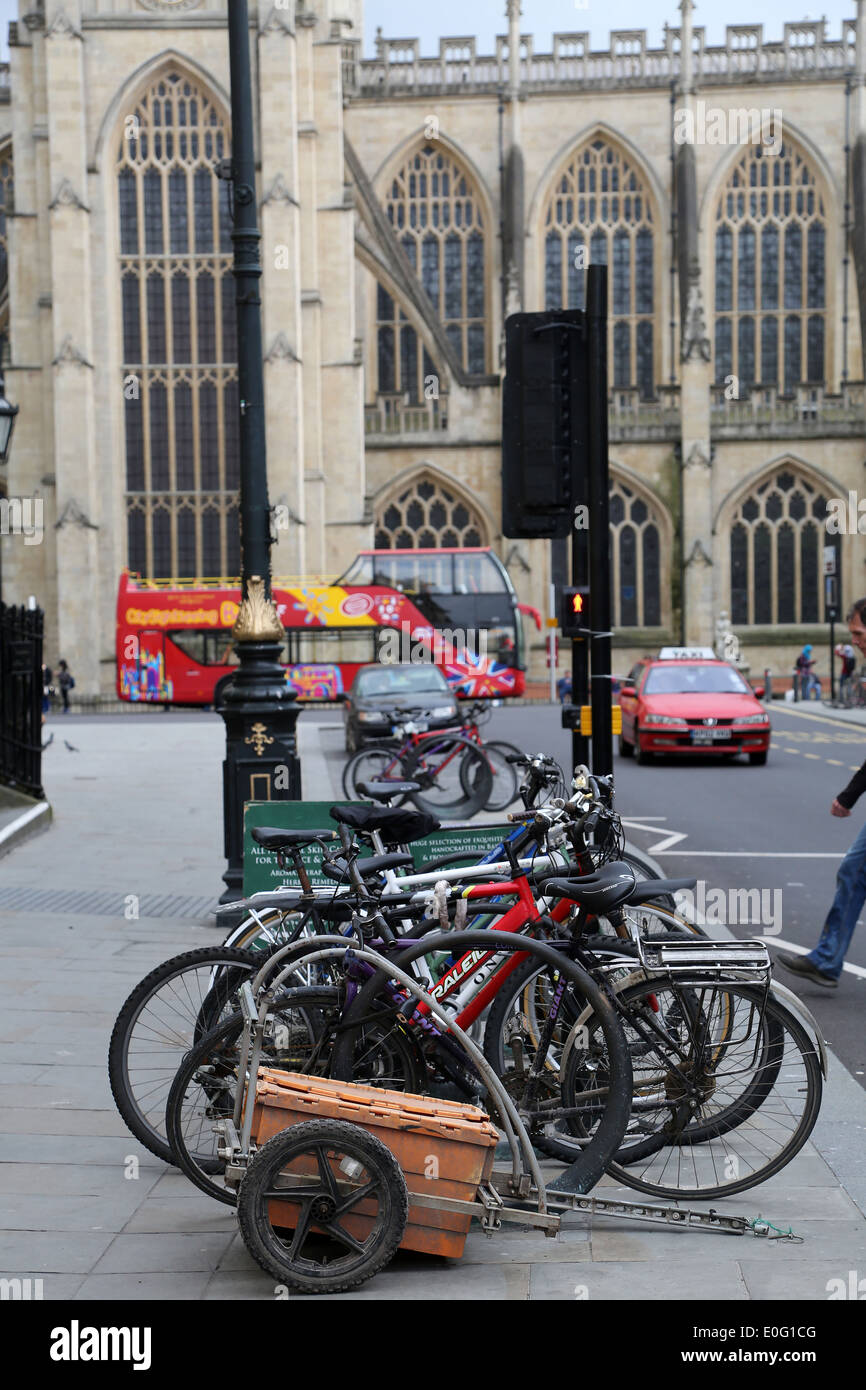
626,750
758,759
640,753
350,741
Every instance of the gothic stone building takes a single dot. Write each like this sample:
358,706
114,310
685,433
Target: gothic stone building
408,204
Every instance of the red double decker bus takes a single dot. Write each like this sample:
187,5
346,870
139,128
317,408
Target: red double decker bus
456,606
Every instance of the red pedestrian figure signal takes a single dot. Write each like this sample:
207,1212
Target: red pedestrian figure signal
574,612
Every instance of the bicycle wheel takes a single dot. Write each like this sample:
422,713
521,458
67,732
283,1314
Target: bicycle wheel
163,1017
380,763
610,1093
517,1026
453,775
726,1077
504,774
301,1030
323,1206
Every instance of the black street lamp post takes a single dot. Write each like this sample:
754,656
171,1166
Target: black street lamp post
259,708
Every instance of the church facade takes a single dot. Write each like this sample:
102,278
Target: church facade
408,204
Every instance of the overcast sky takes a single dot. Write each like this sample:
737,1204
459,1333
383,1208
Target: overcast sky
407,19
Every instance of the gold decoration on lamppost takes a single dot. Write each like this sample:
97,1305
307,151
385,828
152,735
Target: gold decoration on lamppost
258,619
259,738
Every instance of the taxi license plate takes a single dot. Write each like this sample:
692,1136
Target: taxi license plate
710,735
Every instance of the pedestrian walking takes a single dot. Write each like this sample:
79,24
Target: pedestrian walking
823,965
845,652
66,681
805,676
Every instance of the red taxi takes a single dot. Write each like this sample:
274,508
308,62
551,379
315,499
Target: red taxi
687,701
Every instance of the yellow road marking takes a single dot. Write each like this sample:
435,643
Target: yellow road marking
835,762
812,755
824,718
790,750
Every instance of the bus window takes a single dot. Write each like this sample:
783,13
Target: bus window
477,574
334,646
206,647
192,644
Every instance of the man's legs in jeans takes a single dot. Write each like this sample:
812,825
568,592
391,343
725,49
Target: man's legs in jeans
829,954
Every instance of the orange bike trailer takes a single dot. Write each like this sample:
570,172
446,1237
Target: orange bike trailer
445,1149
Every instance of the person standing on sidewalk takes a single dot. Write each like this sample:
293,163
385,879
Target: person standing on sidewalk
823,965
804,675
66,681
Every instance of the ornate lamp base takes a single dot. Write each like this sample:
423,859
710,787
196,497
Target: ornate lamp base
260,712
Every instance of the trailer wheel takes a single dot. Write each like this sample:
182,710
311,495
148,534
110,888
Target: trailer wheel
323,1206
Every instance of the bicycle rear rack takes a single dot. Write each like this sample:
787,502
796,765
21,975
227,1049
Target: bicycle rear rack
725,959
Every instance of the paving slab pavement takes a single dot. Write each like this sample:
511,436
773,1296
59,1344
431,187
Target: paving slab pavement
87,1210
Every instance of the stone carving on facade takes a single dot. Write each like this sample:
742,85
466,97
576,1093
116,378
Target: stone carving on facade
512,290
70,353
698,555
278,192
62,27
695,340
697,458
170,6
281,350
66,197
279,22
74,514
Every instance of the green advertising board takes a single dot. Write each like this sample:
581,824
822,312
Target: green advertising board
262,873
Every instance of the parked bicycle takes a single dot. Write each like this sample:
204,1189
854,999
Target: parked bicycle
458,772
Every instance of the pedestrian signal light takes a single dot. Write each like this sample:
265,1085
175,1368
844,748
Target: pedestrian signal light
574,612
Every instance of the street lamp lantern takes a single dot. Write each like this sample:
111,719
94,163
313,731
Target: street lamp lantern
7,422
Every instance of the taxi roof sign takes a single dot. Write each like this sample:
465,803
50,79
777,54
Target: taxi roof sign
687,654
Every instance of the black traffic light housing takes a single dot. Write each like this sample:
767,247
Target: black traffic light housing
574,611
544,423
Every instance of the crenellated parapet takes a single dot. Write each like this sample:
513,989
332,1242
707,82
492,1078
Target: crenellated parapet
805,53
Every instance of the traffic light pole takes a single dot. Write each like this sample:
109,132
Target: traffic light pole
579,651
599,521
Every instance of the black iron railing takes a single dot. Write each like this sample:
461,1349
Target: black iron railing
21,632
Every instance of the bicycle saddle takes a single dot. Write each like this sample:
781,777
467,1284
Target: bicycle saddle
650,888
384,791
375,865
271,838
609,886
397,825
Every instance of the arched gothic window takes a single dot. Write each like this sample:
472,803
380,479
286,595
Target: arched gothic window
437,218
600,213
770,271
635,543
403,365
426,515
179,338
778,533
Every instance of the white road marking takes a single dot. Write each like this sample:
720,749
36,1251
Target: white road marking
749,854
664,846
804,951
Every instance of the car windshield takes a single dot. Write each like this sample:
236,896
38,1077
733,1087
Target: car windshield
695,680
401,680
